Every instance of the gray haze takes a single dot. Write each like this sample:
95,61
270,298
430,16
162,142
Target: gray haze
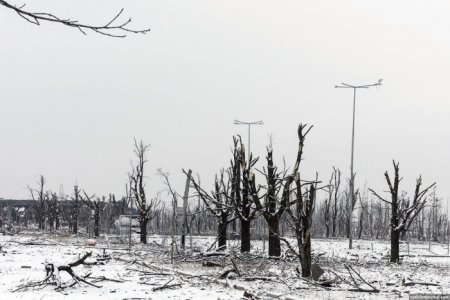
72,104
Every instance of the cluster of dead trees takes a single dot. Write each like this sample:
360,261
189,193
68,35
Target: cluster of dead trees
372,216
241,194
53,211
395,217
249,201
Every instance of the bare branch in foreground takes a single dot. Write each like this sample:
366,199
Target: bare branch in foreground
112,28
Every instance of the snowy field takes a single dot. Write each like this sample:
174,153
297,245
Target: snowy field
146,272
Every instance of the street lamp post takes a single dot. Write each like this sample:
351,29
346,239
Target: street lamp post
352,177
249,124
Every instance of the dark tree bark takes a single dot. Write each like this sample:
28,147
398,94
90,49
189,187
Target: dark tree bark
113,28
241,199
137,187
337,183
218,204
76,199
94,206
301,218
245,236
39,196
222,231
275,204
403,212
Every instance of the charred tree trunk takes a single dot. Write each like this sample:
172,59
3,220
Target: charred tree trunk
395,246
74,226
306,220
97,221
337,183
222,231
75,209
143,229
403,212
245,236
305,254
57,218
274,236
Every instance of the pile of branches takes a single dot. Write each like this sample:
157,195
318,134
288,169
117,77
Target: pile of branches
53,275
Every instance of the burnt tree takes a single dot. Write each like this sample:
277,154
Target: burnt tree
336,184
277,196
326,209
53,211
301,221
241,199
137,187
301,215
403,211
39,196
95,206
146,207
219,204
74,210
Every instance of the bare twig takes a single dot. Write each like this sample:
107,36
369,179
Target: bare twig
112,28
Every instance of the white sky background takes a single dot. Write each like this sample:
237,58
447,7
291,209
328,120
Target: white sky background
72,104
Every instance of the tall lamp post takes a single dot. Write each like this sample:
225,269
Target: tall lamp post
352,177
249,124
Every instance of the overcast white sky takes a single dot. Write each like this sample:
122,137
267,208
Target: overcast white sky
70,105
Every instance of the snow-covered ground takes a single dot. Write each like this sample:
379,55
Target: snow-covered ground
197,276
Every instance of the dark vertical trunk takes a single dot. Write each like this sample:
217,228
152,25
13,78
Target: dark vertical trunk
97,221
25,221
395,246
245,236
56,213
183,240
274,236
51,216
9,216
334,224
57,221
327,230
143,227
360,225
395,234
74,210
75,225
304,214
41,215
222,232
306,255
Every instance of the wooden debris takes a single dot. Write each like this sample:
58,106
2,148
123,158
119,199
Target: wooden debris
53,276
167,286
211,264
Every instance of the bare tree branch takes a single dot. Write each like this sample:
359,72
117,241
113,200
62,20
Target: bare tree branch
112,28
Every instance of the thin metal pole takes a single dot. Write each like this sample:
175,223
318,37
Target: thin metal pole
352,184
249,124
249,143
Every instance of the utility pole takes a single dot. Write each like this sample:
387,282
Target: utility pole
352,174
249,124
